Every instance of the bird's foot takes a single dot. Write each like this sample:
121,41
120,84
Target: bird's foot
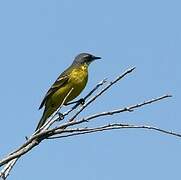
61,116
81,101
26,137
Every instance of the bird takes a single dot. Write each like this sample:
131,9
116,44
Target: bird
67,86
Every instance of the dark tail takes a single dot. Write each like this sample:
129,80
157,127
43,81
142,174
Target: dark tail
41,122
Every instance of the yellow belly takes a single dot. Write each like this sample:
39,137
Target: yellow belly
74,88
77,82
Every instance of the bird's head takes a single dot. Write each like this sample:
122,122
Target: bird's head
85,58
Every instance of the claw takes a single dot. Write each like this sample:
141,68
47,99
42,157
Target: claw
82,101
61,116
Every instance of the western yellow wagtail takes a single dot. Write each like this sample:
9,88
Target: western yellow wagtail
67,87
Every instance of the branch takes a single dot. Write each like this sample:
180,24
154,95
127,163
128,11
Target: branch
129,108
108,113
88,95
102,91
38,137
63,129
16,153
81,131
53,119
6,170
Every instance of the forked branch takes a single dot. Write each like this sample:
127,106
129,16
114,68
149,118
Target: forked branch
68,128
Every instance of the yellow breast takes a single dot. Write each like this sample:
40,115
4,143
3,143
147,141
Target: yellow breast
79,76
78,80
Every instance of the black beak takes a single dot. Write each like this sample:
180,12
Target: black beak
95,57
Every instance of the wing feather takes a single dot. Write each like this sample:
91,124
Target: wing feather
61,81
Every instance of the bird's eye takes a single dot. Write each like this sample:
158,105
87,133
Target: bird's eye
87,56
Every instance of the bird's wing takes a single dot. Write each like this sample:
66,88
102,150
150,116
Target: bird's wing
61,80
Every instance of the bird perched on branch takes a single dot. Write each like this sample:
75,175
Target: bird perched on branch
67,86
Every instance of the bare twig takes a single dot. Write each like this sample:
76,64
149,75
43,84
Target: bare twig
64,130
81,131
129,108
87,96
102,91
32,142
108,113
61,129
5,171
12,156
53,120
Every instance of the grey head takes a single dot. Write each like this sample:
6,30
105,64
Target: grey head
85,58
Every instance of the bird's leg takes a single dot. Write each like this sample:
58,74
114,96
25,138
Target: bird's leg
80,101
61,116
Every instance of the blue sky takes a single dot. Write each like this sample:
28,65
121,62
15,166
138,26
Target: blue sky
39,39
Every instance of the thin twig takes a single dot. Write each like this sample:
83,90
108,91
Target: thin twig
54,119
87,96
108,113
61,129
129,108
19,153
5,171
16,154
81,131
102,91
